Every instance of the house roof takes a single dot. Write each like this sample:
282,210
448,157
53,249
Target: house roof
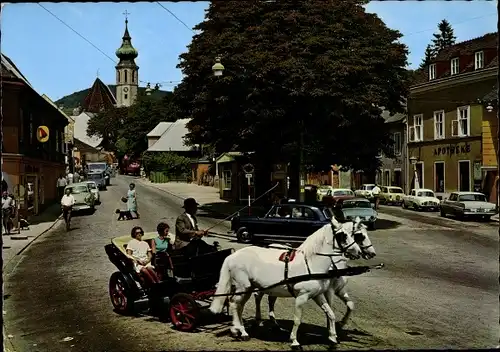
13,70
173,138
468,47
82,145
69,118
99,97
80,130
160,129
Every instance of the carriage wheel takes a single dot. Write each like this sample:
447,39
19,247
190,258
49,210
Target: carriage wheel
120,294
184,312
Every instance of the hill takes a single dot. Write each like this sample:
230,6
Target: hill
69,102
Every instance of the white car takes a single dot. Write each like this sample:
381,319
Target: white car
95,191
421,199
468,204
365,191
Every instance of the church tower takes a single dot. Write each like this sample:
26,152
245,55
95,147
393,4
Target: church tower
127,72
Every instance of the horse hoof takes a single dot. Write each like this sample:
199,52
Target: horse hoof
245,338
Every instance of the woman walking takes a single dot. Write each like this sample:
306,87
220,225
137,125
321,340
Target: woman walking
132,200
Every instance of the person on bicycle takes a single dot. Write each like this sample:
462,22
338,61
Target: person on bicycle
67,202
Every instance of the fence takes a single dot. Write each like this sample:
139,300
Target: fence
163,177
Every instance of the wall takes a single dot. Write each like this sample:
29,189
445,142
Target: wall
446,151
398,163
490,138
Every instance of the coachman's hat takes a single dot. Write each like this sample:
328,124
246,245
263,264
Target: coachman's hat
190,202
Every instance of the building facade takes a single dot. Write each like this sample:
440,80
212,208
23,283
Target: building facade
26,161
446,114
393,170
127,72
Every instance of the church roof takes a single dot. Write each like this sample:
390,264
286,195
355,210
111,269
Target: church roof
126,51
99,97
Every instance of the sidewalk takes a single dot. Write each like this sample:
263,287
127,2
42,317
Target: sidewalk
206,196
16,243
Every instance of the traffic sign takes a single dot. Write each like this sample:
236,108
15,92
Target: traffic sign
248,168
42,134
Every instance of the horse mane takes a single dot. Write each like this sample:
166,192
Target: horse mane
314,243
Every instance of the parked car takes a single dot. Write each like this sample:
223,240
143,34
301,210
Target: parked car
391,195
283,222
99,177
100,167
349,209
134,168
365,191
336,194
468,204
84,198
323,190
95,191
421,199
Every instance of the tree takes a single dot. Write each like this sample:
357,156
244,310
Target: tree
444,38
168,162
428,56
106,125
306,76
124,129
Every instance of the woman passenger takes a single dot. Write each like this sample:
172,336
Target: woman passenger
140,253
161,244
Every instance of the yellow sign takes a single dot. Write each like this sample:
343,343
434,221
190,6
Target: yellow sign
42,134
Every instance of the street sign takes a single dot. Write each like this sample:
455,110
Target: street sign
42,134
249,176
19,191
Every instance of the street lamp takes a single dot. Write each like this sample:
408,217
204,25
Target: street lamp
489,107
218,68
413,161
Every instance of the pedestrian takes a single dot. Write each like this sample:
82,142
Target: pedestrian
376,193
61,183
67,202
69,178
76,177
132,201
6,211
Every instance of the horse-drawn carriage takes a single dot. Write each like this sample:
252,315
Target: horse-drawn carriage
186,286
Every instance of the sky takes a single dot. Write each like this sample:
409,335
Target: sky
58,62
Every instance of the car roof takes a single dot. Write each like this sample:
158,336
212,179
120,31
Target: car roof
342,189
307,205
464,192
78,184
393,187
356,199
423,190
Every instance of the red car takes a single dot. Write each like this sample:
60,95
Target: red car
134,168
332,196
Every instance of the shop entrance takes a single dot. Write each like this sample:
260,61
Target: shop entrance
439,176
464,175
397,178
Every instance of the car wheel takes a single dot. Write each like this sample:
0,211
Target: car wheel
416,207
442,213
486,218
371,226
244,236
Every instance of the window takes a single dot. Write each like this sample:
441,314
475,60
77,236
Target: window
478,60
387,177
416,129
57,142
126,76
125,96
439,124
226,179
461,126
21,125
432,71
453,197
63,143
397,143
398,179
454,66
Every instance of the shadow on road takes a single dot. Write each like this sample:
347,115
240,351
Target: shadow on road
308,334
48,215
383,224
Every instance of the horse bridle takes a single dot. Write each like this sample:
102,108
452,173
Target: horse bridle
360,246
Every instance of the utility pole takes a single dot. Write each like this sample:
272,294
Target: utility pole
302,174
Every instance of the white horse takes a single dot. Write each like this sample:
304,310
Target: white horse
338,285
253,268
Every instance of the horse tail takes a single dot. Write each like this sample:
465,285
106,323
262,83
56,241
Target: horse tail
223,288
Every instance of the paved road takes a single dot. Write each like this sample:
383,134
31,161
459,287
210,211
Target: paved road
439,289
